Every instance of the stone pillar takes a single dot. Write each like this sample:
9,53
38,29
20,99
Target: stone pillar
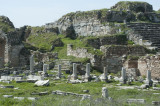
148,79
104,75
140,42
74,75
87,75
32,63
59,71
105,92
123,76
45,74
45,68
125,21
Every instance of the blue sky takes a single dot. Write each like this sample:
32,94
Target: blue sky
39,12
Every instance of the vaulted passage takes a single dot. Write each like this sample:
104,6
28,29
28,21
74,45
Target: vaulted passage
2,52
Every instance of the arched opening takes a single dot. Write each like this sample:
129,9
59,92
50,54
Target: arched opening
2,52
140,9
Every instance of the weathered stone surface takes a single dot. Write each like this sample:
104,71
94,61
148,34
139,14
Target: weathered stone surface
104,77
148,80
123,78
144,86
32,98
42,83
133,6
146,34
8,86
74,75
156,93
87,76
105,92
19,98
136,101
85,96
7,96
155,61
33,77
86,91
43,93
156,103
156,88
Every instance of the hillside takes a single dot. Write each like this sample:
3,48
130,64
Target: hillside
86,58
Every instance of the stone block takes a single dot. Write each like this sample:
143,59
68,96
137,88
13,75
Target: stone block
136,101
7,96
42,83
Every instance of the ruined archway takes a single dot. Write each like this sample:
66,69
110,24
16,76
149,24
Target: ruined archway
140,9
2,52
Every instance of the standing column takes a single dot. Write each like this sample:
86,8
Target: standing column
45,68
148,75
104,92
123,74
59,71
31,63
74,75
104,75
87,75
45,74
148,80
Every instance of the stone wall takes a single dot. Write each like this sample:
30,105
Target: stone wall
111,58
113,55
79,52
10,48
107,40
2,50
14,55
119,50
83,53
154,66
44,57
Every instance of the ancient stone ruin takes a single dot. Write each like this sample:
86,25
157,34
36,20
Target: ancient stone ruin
99,53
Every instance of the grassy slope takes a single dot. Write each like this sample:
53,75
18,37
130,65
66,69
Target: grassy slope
44,41
5,26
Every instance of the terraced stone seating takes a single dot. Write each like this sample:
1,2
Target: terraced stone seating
147,31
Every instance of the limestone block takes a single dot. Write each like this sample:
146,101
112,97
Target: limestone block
42,83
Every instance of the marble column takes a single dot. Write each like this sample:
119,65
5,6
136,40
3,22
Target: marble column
45,74
123,76
87,75
45,68
148,79
74,75
31,63
104,75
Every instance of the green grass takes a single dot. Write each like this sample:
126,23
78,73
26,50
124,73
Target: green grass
4,26
42,41
119,96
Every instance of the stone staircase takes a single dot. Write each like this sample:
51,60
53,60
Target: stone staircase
65,64
147,34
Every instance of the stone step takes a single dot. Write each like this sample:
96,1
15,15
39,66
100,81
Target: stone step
147,31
